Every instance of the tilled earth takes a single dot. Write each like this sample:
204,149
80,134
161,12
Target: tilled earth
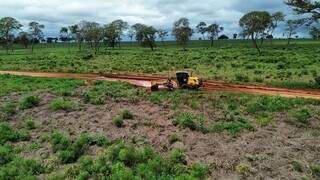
269,150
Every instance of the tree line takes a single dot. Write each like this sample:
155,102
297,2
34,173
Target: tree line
254,25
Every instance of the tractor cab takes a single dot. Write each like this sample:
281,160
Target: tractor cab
185,80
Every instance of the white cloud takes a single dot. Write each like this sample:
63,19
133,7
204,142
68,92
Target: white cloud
159,13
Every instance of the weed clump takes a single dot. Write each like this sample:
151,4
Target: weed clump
317,80
7,111
301,116
233,127
173,138
7,133
244,169
118,121
187,120
62,104
29,102
126,114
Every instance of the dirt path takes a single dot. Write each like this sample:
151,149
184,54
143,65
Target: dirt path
145,81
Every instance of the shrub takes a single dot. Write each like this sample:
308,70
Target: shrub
118,121
59,141
126,114
29,124
6,154
100,140
264,120
242,78
29,102
178,156
186,120
21,168
315,170
69,152
7,133
234,127
302,116
199,171
297,166
62,104
173,138
7,110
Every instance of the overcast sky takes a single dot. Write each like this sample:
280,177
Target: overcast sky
159,13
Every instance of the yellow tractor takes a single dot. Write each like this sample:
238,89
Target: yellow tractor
182,80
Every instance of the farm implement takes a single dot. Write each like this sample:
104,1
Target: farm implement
182,80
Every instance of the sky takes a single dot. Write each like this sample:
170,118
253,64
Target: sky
55,14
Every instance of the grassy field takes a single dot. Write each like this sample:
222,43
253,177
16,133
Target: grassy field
294,66
63,128
74,129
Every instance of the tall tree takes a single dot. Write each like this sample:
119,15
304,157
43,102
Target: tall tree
309,8
162,33
315,32
23,39
120,27
76,35
182,31
92,33
213,31
148,34
276,18
35,32
254,24
202,29
64,34
130,34
136,28
8,26
290,30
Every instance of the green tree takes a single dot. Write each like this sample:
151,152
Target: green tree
213,31
182,31
114,31
23,39
64,34
290,30
311,10
276,18
76,35
8,26
35,32
315,32
148,34
137,31
162,34
92,33
254,24
202,29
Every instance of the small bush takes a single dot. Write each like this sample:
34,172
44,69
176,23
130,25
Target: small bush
29,124
199,171
126,114
234,127
7,110
178,156
302,116
242,78
21,168
29,102
6,154
173,138
118,121
59,141
100,140
315,170
264,120
297,166
7,133
186,120
62,104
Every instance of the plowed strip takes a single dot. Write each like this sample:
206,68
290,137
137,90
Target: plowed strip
145,81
